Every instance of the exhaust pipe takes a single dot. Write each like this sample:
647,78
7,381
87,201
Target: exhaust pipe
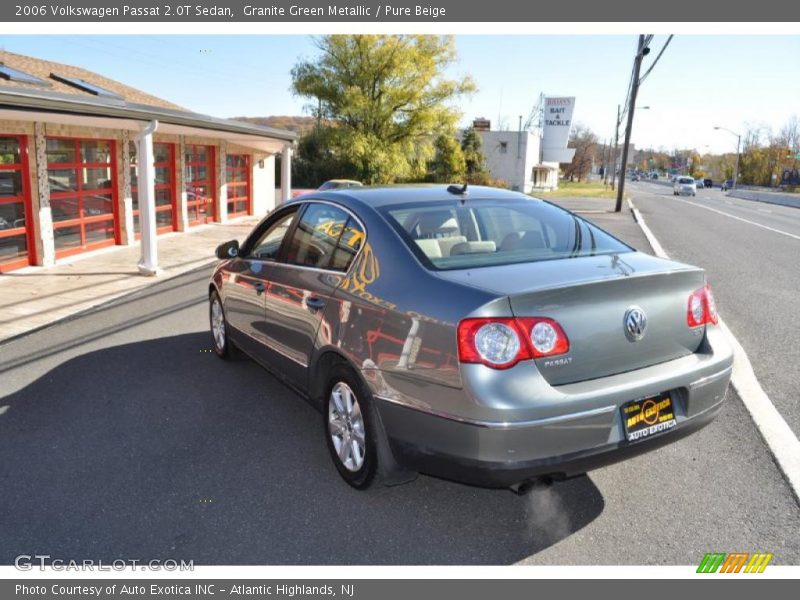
526,487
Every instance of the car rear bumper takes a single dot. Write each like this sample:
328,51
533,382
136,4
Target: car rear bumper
468,467
504,452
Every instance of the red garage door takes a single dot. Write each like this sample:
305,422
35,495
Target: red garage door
200,184
238,184
166,196
17,247
83,194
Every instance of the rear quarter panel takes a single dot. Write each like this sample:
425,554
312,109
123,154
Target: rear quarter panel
395,320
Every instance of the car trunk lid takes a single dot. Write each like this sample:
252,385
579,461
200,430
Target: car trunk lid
590,298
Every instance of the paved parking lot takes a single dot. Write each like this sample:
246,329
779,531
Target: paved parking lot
122,435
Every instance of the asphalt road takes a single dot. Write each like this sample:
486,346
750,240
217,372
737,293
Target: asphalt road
753,266
123,436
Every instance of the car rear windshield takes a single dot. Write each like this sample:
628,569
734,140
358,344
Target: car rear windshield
485,232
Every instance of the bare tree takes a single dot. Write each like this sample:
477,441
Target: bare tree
585,142
790,135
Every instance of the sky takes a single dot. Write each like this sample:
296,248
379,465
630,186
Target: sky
701,81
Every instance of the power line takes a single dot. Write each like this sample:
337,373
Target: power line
664,47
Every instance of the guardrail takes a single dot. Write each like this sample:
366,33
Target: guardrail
784,199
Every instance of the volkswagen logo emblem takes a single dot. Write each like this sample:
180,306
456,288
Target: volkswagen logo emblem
635,323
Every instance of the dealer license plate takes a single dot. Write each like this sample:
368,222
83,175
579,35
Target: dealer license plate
648,417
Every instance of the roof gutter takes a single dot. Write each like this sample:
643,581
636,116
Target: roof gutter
69,103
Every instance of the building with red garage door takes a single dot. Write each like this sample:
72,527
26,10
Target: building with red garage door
71,144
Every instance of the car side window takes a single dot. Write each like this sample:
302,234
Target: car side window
269,244
326,237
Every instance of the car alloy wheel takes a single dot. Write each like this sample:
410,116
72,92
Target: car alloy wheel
346,427
218,324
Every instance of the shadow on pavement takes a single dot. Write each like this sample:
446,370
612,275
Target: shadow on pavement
159,450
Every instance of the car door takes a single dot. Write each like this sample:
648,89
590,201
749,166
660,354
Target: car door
320,248
248,282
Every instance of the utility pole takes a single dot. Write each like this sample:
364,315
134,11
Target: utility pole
738,150
616,149
637,67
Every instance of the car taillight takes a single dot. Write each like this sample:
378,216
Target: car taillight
701,309
502,342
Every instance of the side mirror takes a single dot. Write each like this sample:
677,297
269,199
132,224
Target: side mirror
228,250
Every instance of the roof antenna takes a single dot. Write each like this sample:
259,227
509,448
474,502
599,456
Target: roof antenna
455,189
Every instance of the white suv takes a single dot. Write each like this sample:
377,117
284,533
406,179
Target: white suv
684,185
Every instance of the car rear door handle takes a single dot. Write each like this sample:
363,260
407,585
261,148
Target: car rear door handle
315,302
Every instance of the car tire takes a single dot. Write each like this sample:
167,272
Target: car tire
350,427
220,338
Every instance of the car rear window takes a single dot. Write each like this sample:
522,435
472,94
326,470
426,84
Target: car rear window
484,232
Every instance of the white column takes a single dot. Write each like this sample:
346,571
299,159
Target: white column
286,173
180,181
148,263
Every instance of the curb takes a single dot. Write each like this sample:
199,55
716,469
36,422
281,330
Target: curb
780,439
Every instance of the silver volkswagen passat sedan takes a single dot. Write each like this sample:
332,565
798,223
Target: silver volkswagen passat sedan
476,334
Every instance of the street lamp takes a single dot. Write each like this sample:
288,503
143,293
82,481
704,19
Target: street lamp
738,144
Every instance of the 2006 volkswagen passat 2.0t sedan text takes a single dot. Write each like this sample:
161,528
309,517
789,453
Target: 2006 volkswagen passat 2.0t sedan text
478,335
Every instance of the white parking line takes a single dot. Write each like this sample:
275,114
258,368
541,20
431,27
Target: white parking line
767,227
779,437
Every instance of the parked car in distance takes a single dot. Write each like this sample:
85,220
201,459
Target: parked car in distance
708,183
654,176
635,177
684,185
335,184
727,185
478,334
699,184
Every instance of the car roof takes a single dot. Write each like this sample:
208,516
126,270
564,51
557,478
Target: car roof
378,196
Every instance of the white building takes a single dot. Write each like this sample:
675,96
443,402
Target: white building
525,160
515,157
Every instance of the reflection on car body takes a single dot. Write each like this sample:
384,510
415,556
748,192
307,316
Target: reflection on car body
485,336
